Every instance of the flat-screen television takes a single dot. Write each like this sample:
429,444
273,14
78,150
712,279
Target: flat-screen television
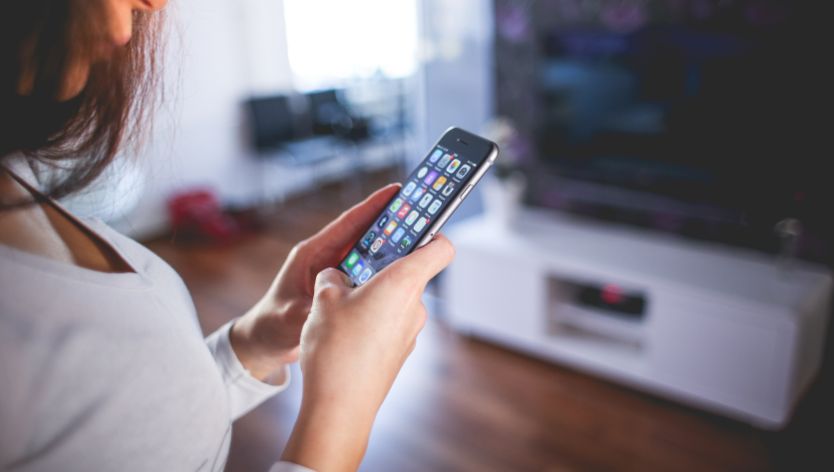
705,118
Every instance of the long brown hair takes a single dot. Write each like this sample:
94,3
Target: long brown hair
80,136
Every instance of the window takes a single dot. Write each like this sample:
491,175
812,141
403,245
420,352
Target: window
330,42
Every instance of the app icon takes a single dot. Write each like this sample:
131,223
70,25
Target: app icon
405,243
425,200
351,259
453,166
365,275
377,244
357,269
435,205
420,224
439,183
450,187
382,220
422,172
403,211
409,187
444,161
430,178
435,155
398,234
396,204
464,169
417,193
411,217
392,225
368,239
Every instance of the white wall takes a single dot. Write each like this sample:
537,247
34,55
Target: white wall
457,74
223,51
220,52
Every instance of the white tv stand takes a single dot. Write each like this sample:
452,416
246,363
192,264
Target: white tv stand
730,331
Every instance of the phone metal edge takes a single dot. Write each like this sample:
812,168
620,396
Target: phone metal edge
447,213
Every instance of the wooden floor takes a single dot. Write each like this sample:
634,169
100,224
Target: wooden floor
462,404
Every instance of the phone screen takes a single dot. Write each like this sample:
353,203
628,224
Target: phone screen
427,192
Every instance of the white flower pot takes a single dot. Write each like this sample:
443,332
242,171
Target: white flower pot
503,198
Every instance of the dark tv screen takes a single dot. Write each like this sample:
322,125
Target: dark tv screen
681,115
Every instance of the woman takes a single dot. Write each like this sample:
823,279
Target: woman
102,364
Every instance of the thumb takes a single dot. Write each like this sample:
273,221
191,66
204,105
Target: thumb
425,262
332,278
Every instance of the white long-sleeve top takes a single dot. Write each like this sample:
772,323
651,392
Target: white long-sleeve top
103,371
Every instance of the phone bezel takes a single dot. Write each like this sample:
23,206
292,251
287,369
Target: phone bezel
455,134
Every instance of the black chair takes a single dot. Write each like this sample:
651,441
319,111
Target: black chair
305,130
330,116
282,128
271,122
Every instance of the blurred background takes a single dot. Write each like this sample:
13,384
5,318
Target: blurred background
644,280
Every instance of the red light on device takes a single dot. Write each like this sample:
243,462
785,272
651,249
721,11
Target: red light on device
612,294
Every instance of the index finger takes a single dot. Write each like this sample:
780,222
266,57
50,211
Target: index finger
345,230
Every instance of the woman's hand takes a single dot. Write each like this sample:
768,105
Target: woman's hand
352,347
267,336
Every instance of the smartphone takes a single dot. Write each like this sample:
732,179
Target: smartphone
424,203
